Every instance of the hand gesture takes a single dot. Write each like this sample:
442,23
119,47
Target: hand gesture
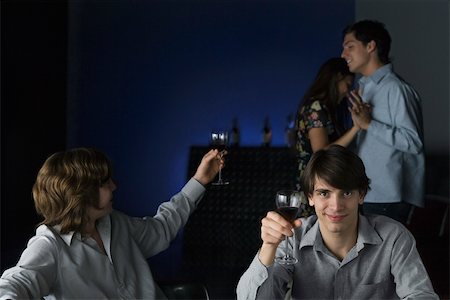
274,228
209,166
360,110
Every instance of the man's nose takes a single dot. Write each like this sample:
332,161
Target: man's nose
335,202
113,186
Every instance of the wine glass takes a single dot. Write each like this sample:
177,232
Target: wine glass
219,140
288,206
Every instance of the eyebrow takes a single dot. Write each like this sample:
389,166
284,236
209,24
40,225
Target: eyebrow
321,190
348,42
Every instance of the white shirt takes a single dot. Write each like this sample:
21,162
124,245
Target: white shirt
69,266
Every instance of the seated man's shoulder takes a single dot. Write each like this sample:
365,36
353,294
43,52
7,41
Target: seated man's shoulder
385,225
47,236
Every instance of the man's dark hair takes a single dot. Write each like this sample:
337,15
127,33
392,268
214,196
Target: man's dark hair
339,167
370,30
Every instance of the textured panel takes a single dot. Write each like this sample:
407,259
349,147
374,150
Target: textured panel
223,234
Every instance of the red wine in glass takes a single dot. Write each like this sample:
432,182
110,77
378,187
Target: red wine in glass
288,212
219,147
288,205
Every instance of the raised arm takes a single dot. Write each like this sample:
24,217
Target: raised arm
154,234
319,139
258,281
209,166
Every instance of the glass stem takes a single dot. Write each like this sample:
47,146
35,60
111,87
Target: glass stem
287,248
220,169
220,175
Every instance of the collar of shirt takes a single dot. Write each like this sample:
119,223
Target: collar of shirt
66,237
103,227
309,238
366,235
377,76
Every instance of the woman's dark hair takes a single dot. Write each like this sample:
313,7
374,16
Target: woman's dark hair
339,167
67,184
370,30
325,88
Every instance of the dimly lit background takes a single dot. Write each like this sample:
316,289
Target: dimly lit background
145,80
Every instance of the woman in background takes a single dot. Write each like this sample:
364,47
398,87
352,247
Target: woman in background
319,120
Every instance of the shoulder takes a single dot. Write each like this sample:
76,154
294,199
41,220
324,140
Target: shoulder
316,105
115,214
310,105
46,232
395,84
121,222
46,239
120,218
387,227
314,111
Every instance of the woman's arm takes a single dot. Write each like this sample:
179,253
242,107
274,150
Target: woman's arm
348,137
318,138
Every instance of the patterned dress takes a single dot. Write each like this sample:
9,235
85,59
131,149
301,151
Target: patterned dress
313,115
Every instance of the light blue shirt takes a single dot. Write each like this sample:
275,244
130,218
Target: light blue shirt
69,266
392,148
383,264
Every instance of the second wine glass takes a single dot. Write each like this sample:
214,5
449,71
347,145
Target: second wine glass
288,206
219,141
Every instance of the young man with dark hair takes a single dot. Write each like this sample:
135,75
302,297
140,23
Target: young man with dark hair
341,253
390,141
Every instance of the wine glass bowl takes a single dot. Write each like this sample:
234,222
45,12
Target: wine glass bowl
288,206
219,141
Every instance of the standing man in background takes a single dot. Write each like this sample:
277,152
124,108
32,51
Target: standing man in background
391,140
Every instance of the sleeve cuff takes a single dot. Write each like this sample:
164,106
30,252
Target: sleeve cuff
259,270
193,189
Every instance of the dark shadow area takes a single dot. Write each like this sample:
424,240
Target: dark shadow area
33,110
430,224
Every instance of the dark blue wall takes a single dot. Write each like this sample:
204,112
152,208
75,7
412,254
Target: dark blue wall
148,79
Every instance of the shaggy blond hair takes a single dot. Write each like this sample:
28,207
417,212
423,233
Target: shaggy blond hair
67,184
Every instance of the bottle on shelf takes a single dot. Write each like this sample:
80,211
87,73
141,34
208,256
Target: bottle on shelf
235,134
289,131
266,133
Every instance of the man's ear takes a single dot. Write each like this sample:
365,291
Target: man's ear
310,200
371,46
361,198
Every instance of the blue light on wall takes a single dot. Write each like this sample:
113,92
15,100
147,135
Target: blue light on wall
148,79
